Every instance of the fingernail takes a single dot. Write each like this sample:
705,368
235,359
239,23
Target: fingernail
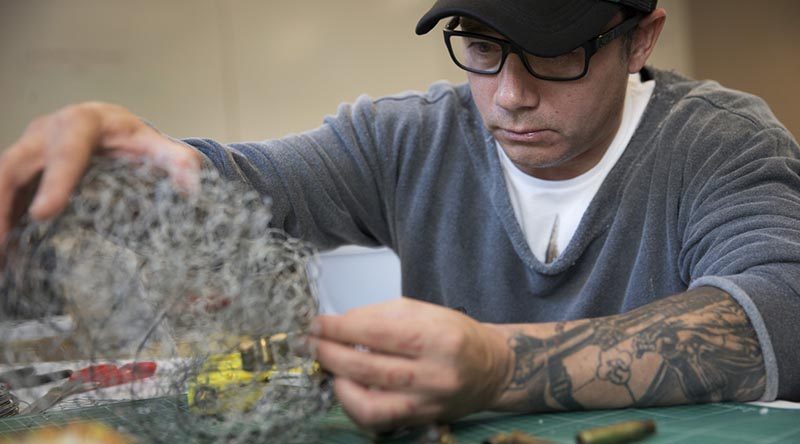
362,348
315,328
38,205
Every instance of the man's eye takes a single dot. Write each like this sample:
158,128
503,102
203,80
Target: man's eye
483,47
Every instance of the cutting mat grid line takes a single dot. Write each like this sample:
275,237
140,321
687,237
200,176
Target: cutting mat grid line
710,423
713,423
792,436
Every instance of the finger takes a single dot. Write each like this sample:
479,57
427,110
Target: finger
19,169
65,162
369,369
395,336
181,162
23,198
382,410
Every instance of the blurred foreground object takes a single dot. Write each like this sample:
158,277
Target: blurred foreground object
82,432
147,272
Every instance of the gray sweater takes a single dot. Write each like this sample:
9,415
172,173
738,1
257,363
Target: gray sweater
706,194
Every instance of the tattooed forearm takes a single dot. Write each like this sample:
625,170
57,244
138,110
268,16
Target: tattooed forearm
692,347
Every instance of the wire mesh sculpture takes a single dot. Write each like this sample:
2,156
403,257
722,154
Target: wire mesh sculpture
197,281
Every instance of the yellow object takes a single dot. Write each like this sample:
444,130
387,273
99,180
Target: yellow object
231,382
627,431
515,437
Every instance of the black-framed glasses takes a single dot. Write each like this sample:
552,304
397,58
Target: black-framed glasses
483,54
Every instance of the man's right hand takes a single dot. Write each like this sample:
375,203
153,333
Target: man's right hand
41,169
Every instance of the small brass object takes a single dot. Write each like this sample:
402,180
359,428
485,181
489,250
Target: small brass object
622,432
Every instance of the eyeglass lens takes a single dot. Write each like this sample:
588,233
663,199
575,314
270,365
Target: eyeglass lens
485,56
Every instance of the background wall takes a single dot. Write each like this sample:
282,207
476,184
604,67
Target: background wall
255,69
753,47
226,69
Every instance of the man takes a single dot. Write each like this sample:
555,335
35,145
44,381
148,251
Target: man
576,230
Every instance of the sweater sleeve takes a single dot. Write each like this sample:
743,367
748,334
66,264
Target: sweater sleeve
327,186
740,221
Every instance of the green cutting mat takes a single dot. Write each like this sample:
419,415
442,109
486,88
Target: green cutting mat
710,423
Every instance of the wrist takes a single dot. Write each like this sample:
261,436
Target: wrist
504,366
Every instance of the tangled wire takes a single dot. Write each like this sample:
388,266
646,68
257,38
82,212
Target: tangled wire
194,280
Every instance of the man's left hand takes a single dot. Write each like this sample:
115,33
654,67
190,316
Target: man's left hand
406,362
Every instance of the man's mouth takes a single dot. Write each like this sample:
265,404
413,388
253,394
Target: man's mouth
524,135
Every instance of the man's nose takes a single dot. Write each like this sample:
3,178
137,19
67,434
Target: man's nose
516,87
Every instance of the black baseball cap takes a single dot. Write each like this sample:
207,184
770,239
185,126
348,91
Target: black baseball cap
545,28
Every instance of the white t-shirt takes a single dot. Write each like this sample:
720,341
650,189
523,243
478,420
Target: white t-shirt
549,211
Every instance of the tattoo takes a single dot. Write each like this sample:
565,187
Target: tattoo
693,347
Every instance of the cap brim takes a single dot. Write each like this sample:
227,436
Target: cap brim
535,25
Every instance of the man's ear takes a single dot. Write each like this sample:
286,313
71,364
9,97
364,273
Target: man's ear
644,39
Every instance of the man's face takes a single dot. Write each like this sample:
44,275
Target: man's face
553,130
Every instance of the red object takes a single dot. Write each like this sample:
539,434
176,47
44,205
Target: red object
107,375
91,378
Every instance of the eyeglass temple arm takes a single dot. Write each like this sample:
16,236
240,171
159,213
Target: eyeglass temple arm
613,33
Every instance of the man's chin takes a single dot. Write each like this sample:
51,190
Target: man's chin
535,155
550,163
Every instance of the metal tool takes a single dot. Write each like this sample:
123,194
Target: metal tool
27,377
92,378
9,405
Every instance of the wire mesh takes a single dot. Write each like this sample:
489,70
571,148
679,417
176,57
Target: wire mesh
145,271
